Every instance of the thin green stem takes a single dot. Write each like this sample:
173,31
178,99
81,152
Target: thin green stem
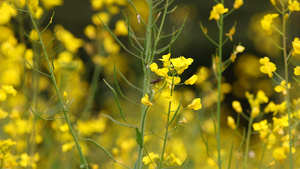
287,96
82,158
220,45
167,127
146,59
248,142
92,91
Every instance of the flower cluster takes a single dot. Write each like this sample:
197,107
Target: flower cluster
172,68
267,66
218,10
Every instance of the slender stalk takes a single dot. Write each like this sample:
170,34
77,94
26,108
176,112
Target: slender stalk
167,127
82,158
146,59
219,89
92,91
248,142
287,96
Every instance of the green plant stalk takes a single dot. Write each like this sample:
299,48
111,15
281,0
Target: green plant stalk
82,158
167,127
287,96
248,142
219,89
146,59
92,91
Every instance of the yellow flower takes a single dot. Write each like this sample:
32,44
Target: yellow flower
254,112
192,80
151,157
261,96
120,28
231,33
237,106
67,146
267,67
297,70
3,114
145,100
294,5
217,11
90,32
267,21
70,42
9,89
296,46
196,104
237,4
279,155
34,35
273,2
231,122
7,12
282,87
153,67
167,96
33,5
181,63
48,5
162,72
105,17
166,59
262,125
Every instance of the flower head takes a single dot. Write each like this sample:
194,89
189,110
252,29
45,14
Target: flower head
267,67
237,4
231,122
145,100
296,46
217,10
297,70
192,80
282,87
196,104
267,21
237,106
294,5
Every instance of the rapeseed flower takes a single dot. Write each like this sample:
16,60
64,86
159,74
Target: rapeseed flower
120,28
196,104
279,154
297,70
145,100
192,80
267,22
267,67
294,5
7,13
152,157
217,10
236,105
231,122
48,5
282,87
237,4
296,46
181,63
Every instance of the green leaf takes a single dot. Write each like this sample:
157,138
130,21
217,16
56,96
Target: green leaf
139,138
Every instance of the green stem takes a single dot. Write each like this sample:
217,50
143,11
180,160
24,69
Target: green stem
167,127
287,96
248,141
219,90
92,91
82,158
146,59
